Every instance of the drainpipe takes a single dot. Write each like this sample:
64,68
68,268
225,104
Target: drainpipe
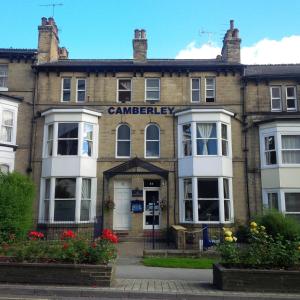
35,92
175,169
245,131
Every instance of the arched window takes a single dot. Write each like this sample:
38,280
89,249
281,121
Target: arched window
123,141
4,168
152,141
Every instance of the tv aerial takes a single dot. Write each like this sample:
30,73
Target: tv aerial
53,6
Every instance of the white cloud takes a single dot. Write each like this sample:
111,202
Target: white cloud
266,51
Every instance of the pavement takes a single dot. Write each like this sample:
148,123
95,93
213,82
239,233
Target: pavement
135,281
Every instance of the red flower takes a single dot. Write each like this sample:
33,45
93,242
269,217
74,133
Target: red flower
94,245
68,234
109,235
35,235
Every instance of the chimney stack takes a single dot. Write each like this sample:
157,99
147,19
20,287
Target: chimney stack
140,46
231,45
48,44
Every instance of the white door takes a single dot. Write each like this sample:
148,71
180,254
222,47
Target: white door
122,198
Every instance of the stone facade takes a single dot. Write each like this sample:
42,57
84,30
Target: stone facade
50,85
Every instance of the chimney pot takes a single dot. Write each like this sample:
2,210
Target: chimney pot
143,34
231,24
44,21
136,34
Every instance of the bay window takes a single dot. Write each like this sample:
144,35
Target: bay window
67,199
270,150
206,139
7,126
290,146
187,140
272,198
188,199
292,204
67,139
64,139
210,196
224,137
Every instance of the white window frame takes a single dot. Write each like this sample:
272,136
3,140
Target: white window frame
147,89
284,149
265,151
65,89
210,88
4,77
145,141
118,100
12,127
276,98
50,140
5,167
217,138
78,199
195,200
183,141
192,90
185,199
80,90
69,139
117,140
80,139
291,98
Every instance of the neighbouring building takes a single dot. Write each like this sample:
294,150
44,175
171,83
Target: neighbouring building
142,142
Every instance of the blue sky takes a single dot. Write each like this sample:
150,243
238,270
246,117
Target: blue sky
104,28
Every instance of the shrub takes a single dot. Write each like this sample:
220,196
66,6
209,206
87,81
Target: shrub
277,223
70,248
262,250
16,200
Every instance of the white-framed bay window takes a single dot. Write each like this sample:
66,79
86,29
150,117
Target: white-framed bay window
206,200
285,200
206,139
69,139
67,199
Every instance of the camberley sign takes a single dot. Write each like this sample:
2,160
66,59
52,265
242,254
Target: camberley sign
140,110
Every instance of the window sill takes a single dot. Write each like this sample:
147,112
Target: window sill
3,89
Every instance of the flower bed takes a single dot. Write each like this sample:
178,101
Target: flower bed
265,263
71,260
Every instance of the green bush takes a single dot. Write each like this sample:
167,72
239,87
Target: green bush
277,223
262,250
16,200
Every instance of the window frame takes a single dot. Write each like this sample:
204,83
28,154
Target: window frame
145,141
12,127
291,98
118,90
185,199
78,200
287,150
64,89
183,141
4,77
212,88
217,138
79,90
152,89
117,140
69,139
276,98
192,90
265,151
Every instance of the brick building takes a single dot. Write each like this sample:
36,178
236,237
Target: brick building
150,141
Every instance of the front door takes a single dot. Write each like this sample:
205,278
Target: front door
122,198
152,209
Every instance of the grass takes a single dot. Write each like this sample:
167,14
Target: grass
179,262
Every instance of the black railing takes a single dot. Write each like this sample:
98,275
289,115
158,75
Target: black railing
158,240
54,230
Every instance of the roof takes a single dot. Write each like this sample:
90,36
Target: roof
10,97
166,65
17,53
272,71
